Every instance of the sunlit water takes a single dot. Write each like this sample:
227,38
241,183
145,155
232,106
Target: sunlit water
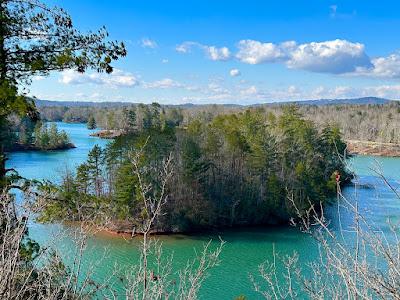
245,248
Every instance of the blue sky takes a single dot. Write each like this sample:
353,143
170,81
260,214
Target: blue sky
237,51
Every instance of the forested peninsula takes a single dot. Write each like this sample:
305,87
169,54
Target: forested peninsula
23,134
246,168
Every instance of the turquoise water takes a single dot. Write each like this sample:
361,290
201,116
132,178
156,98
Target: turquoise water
49,164
245,248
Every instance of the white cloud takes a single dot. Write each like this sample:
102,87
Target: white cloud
215,53
168,83
165,61
334,56
382,67
337,57
116,79
165,83
148,43
252,90
93,96
250,94
293,90
254,52
185,47
234,72
212,52
384,91
342,92
215,88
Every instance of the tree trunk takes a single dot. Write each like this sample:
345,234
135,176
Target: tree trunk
3,52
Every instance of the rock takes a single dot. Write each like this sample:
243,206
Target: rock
107,134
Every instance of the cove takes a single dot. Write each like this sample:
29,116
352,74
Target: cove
245,248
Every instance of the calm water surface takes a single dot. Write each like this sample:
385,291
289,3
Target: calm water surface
245,248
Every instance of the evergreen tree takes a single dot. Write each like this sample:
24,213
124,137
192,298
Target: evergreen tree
49,137
83,178
25,131
131,116
36,39
91,123
95,163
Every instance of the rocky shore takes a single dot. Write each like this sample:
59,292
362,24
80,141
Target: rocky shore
107,134
373,148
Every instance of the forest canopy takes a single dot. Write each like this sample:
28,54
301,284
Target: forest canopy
236,169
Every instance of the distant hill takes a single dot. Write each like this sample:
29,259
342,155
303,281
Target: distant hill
42,103
364,100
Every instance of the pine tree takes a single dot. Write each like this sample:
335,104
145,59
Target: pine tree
36,39
91,123
95,166
131,116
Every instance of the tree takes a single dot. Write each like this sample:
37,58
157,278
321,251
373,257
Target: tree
36,39
94,168
25,130
11,103
131,117
49,137
91,123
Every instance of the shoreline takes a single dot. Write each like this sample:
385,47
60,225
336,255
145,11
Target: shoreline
21,148
107,133
357,147
113,230
105,232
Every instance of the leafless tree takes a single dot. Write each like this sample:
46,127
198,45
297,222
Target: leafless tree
359,261
161,282
30,272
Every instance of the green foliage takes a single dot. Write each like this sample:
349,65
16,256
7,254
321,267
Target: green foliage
11,104
29,249
49,137
91,123
94,169
130,118
38,39
236,169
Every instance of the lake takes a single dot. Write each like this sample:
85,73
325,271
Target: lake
245,248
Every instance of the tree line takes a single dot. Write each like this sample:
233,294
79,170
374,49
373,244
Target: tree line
367,122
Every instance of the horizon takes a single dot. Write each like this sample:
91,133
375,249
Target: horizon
235,53
305,101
